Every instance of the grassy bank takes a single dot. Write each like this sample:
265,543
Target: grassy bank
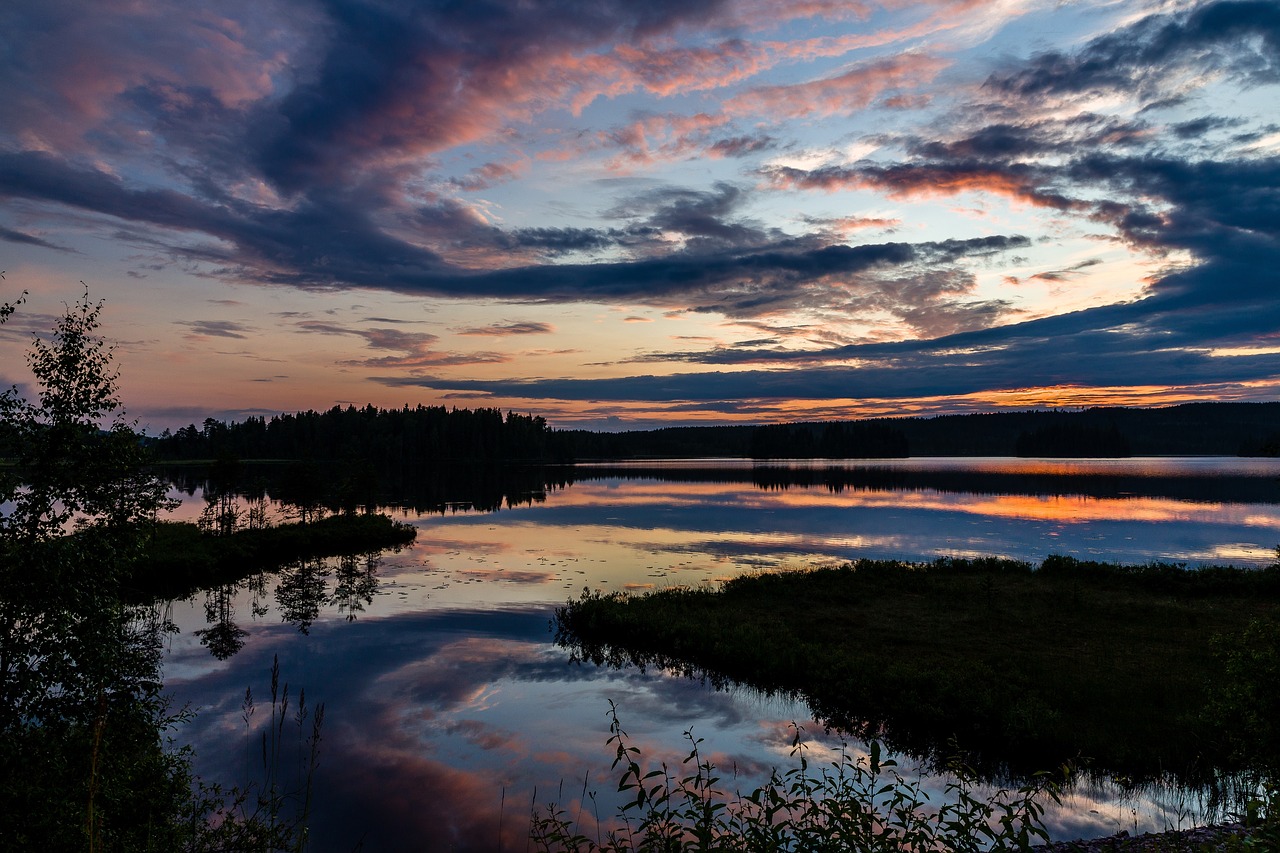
182,559
1021,667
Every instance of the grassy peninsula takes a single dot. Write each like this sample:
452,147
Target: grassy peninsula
1137,670
182,559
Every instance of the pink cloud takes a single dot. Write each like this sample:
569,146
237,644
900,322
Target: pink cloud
928,181
849,224
491,174
660,138
77,60
854,90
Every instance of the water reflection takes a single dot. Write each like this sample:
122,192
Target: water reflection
447,704
301,591
302,489
355,583
223,638
441,726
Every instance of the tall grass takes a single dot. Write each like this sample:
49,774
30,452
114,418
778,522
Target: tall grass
273,814
855,802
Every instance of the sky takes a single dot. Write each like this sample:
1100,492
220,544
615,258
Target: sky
623,214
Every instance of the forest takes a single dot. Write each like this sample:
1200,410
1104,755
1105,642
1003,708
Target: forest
407,436
433,434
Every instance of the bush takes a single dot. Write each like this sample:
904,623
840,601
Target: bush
860,804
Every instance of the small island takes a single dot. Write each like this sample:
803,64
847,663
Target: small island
182,559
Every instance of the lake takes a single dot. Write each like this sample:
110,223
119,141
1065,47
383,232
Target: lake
447,704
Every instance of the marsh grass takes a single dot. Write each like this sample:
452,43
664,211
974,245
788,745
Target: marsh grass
272,814
1024,668
852,803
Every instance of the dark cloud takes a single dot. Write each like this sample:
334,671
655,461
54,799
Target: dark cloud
216,328
963,364
731,268
402,79
741,146
1071,272
499,330
557,241
415,348
1004,141
11,236
1240,39
705,219
1200,126
1027,182
1220,208
296,144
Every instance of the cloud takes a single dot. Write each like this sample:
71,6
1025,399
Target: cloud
846,93
703,218
216,329
401,80
949,367
1071,272
415,348
1211,205
11,236
317,145
1021,181
741,146
502,330
69,67
729,267
1238,39
489,175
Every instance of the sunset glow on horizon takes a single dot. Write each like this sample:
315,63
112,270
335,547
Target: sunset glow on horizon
624,215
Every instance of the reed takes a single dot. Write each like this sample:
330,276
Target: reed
857,803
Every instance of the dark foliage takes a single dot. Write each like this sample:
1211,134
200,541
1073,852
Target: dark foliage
828,441
1076,440
379,437
430,436
1024,668
81,716
1207,429
183,559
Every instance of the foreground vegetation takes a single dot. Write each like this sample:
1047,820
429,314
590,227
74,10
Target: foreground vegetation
855,803
1141,671
84,727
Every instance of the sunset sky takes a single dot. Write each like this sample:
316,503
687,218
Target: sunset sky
620,214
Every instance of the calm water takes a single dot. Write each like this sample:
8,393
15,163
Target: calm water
447,704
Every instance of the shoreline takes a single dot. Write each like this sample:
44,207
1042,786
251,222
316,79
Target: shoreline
1211,837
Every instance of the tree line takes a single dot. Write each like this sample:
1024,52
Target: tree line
406,436
426,435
